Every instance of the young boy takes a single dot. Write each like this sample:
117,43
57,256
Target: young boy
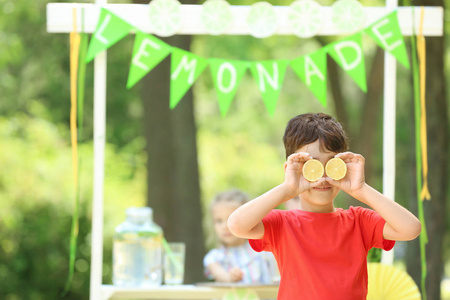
234,260
321,250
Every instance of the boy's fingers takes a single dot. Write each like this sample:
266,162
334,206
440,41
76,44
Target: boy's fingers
299,157
351,157
345,155
360,158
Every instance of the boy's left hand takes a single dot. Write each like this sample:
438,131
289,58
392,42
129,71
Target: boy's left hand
354,179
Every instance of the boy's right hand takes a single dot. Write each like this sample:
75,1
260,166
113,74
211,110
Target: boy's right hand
294,179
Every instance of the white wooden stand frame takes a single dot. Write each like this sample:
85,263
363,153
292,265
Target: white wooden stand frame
59,20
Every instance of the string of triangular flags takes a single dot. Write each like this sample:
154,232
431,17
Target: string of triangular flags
186,67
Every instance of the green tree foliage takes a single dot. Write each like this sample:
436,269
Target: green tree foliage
33,254
37,192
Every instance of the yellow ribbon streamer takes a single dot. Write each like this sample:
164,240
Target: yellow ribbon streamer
74,52
421,53
75,40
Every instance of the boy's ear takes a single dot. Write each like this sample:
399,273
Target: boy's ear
285,166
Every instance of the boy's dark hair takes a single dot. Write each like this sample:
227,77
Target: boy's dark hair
308,128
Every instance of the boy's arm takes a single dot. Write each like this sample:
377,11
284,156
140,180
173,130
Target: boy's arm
401,225
246,221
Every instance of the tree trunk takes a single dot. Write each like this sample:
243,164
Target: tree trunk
438,149
173,175
366,137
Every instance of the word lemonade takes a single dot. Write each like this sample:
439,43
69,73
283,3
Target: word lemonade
186,67
335,168
137,250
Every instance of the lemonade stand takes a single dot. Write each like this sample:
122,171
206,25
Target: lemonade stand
110,22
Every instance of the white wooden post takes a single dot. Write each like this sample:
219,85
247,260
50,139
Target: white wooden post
390,80
99,166
59,19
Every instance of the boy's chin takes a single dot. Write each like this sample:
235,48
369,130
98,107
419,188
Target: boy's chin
322,196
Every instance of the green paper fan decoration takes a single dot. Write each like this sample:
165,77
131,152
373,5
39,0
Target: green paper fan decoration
347,15
390,283
165,17
305,18
262,20
216,16
241,294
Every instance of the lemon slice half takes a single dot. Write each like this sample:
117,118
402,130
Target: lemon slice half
312,170
305,18
347,15
165,17
216,16
262,20
336,168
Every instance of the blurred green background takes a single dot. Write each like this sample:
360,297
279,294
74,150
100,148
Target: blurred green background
242,150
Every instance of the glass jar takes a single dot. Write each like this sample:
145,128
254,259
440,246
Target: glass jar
137,250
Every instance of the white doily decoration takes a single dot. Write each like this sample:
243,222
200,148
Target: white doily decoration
216,16
165,17
305,18
262,20
348,15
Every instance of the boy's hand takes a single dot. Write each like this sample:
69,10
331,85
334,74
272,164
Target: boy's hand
294,178
354,180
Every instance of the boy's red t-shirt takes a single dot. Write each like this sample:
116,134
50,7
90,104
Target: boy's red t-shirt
322,256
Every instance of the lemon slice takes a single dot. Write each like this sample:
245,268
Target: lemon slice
336,168
347,15
262,20
312,170
165,17
305,18
216,16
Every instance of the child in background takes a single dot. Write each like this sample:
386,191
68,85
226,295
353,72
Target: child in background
234,260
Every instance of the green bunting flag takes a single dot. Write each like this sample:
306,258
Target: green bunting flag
227,75
184,70
312,69
148,51
269,76
386,33
186,67
348,53
110,29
